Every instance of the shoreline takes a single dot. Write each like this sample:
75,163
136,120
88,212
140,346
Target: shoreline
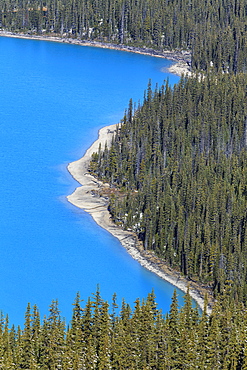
87,197
181,59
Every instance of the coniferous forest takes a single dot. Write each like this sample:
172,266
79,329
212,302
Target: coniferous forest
180,161
213,31
178,176
138,338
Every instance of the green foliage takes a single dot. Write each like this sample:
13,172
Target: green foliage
181,160
214,32
140,338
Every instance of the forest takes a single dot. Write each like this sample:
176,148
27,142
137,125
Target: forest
214,32
178,174
179,160
102,336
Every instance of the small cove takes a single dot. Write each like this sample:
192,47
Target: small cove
54,99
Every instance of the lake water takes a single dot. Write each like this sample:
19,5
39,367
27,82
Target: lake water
54,98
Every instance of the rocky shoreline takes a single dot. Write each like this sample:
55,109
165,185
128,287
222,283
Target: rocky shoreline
181,58
88,197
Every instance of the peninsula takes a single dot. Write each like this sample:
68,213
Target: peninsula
88,197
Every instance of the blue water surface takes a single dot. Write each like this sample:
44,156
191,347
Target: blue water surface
54,98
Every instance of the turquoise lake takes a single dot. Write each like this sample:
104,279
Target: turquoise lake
54,98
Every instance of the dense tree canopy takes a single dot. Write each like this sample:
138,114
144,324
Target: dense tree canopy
180,160
215,32
136,339
178,163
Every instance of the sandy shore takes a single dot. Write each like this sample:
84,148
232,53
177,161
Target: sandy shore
87,198
180,68
181,59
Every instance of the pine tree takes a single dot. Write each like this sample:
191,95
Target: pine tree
28,359
52,339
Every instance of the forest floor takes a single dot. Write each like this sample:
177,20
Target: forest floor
181,58
92,197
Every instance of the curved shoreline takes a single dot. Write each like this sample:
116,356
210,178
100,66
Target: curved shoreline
181,59
87,197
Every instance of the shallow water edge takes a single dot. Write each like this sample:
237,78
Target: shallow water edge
88,197
181,58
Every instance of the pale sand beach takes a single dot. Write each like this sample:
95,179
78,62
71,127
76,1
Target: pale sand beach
180,68
87,197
